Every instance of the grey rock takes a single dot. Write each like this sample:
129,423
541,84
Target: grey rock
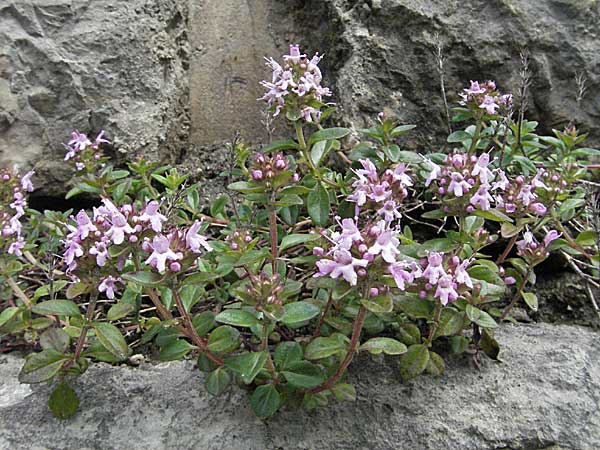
91,65
380,56
545,394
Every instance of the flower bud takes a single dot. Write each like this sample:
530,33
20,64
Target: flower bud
509,280
373,292
361,272
257,175
318,251
175,266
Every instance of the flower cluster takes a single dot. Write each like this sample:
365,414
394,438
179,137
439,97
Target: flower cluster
484,96
383,193
13,202
467,183
273,171
265,289
82,151
296,86
532,251
114,234
374,251
239,240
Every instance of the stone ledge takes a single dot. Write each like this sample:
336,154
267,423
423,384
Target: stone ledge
545,395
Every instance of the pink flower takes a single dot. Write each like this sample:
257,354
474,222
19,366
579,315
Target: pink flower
16,247
446,291
161,253
108,286
475,88
99,140
538,208
481,168
194,241
79,141
294,55
435,172
489,104
458,185
502,183
526,194
26,184
343,265
401,275
100,250
434,269
386,244
152,215
482,198
527,240
389,211
461,275
551,236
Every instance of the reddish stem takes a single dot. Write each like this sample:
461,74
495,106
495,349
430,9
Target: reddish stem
358,324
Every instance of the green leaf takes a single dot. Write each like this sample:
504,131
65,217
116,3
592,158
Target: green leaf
323,347
414,361
587,238
265,401
386,345
8,314
112,339
328,134
401,129
380,304
318,205
237,317
217,381
304,375
459,136
280,145
56,307
287,353
459,344
436,365
409,334
494,215
223,339
218,206
77,289
63,401
246,365
319,151
299,312
40,367
489,345
416,307
193,198
175,350
451,322
204,322
55,339
480,317
145,278
291,240
442,245
119,310
344,392
531,300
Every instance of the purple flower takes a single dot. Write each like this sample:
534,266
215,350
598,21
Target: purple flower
461,275
369,170
458,186
79,141
294,55
108,286
161,253
26,184
386,244
526,194
389,211
446,290
482,198
400,175
84,225
194,240
502,183
435,172
16,247
434,269
475,88
538,208
152,215
380,192
99,140
100,250
527,241
551,236
343,265
481,168
489,104
401,275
